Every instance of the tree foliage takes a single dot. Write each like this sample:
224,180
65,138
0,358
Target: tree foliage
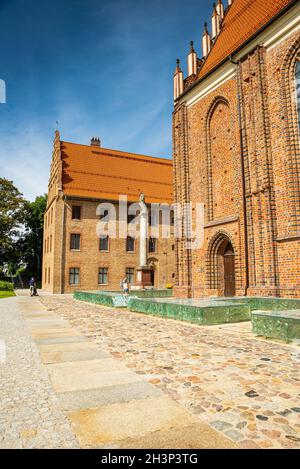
31,243
21,230
12,212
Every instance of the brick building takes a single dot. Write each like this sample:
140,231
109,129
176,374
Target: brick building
236,150
81,178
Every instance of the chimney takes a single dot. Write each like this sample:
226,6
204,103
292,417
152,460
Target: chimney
95,142
215,22
220,10
230,2
178,81
206,41
192,61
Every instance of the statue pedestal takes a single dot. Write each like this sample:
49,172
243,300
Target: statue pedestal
144,277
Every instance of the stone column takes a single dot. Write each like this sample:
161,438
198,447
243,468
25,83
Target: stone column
143,232
143,271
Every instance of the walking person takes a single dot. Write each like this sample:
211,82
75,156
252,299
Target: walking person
31,286
125,286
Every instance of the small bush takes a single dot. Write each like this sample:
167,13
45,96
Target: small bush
7,294
6,286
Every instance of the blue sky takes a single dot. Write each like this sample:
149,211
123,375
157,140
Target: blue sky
98,67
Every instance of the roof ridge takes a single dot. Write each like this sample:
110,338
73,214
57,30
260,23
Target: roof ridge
127,153
244,20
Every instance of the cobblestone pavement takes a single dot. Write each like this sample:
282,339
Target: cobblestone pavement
29,413
245,387
61,390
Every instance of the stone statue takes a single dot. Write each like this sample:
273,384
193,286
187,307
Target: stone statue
143,231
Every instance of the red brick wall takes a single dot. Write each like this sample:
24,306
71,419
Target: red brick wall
244,164
89,259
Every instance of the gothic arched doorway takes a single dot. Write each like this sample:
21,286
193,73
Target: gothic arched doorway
153,266
221,266
229,271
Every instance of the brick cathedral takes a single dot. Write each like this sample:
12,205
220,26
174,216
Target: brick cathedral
236,150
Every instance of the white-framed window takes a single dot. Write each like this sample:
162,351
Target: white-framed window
103,276
74,276
75,242
152,244
104,243
130,244
130,274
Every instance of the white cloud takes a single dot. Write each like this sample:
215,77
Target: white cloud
25,159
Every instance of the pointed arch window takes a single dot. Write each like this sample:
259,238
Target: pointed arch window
298,89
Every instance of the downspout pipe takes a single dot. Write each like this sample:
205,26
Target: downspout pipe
239,96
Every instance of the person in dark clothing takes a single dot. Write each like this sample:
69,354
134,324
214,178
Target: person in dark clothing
32,286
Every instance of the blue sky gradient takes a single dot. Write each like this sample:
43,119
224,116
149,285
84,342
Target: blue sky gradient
98,67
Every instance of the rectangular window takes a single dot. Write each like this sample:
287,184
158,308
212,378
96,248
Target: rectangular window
75,242
103,276
130,244
76,212
153,218
103,244
152,244
74,276
172,217
130,274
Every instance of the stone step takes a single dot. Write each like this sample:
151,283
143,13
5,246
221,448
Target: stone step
282,325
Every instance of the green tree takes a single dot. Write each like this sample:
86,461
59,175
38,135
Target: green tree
12,212
31,243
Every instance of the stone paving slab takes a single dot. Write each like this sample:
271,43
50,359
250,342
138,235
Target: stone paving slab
61,340
52,333
68,347
89,374
38,315
99,397
71,356
104,425
45,322
195,436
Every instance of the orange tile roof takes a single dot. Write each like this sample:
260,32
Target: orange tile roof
100,173
243,20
